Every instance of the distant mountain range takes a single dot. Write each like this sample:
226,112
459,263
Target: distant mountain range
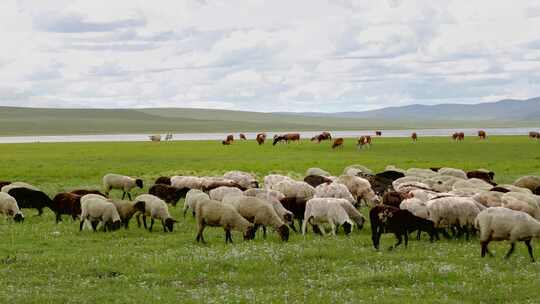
506,110
51,121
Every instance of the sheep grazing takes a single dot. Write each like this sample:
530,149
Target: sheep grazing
266,192
192,199
326,210
28,198
454,213
530,182
66,203
334,190
212,182
122,182
14,185
190,182
244,179
219,193
9,207
489,198
156,209
127,209
528,203
215,214
165,180
273,197
316,180
273,179
317,171
354,170
261,138
401,222
296,196
534,134
453,172
352,212
485,175
96,209
359,188
393,198
169,194
82,192
472,183
421,173
338,142
498,224
260,213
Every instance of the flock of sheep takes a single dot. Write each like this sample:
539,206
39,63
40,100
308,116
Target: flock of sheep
436,201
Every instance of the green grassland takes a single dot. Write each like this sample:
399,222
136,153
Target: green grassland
35,121
41,262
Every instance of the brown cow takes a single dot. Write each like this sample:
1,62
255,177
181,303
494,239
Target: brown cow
261,138
230,138
364,140
414,136
323,136
243,136
378,133
286,137
338,142
459,136
482,134
534,135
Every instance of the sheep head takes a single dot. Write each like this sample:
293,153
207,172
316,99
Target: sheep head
169,224
19,218
139,183
283,232
249,234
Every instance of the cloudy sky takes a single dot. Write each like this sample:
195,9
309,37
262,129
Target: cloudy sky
301,55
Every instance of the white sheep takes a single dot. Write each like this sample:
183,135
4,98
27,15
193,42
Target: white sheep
530,182
215,214
472,183
14,185
97,209
352,212
410,186
458,173
406,180
295,189
273,197
273,179
335,190
122,182
191,182
354,170
193,196
156,209
489,198
441,183
266,192
9,207
422,173
220,192
326,210
317,171
513,188
453,211
497,224
528,203
394,168
360,189
244,179
415,206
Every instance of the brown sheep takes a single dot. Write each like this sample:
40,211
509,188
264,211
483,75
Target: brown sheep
165,180
483,175
338,142
66,203
82,192
261,138
534,135
169,194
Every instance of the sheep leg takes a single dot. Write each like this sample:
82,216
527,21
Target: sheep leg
94,225
321,228
126,223
530,249
164,227
264,231
40,212
293,227
228,236
129,196
418,235
58,218
81,225
123,194
304,227
151,224
138,217
406,239
332,228
512,247
399,240
144,221
200,237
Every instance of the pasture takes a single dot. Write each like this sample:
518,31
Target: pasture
41,262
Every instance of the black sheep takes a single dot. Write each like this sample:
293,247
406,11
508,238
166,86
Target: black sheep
388,219
169,194
316,180
165,180
28,198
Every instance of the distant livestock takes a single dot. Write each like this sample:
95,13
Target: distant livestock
230,138
364,141
243,136
482,134
323,136
534,135
378,133
286,138
155,138
414,136
225,142
458,136
338,142
261,138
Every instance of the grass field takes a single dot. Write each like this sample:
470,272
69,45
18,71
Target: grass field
41,262
36,121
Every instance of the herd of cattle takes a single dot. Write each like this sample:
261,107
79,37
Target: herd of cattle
435,201
363,141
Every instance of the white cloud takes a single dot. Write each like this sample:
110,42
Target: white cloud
305,55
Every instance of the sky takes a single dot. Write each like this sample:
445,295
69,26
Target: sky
301,55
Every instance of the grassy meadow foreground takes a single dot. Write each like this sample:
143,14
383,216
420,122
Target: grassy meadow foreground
41,262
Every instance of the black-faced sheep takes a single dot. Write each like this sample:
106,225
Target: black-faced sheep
192,198
244,179
388,219
215,214
530,182
156,209
28,198
126,210
66,203
9,207
169,194
122,182
497,224
326,210
96,209
485,175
